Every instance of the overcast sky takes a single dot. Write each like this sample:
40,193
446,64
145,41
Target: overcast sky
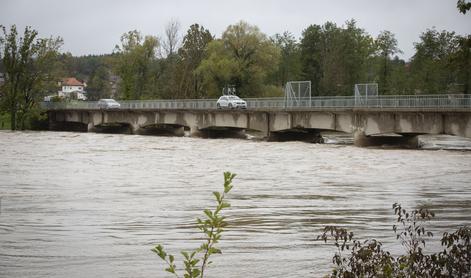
95,26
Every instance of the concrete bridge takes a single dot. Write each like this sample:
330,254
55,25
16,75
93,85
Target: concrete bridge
370,124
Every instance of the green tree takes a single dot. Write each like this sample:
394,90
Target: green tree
463,6
243,57
99,84
387,47
432,66
192,52
167,73
27,61
312,56
462,60
290,59
335,58
135,64
398,77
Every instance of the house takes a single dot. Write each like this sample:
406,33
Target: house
72,88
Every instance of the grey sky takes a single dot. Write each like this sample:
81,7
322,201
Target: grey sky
94,26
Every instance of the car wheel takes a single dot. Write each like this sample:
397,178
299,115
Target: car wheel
230,106
218,106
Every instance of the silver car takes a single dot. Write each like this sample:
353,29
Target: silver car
108,103
231,102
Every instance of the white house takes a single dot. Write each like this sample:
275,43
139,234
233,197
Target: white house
72,88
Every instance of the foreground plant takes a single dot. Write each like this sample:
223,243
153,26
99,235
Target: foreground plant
368,259
196,262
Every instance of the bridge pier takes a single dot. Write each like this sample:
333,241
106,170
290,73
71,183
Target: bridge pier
114,128
221,132
161,130
296,134
404,141
90,127
195,131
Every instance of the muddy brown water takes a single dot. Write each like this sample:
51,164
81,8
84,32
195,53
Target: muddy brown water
93,205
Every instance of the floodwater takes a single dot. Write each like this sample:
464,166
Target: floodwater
93,205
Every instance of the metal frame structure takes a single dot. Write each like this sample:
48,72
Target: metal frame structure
297,92
364,91
229,90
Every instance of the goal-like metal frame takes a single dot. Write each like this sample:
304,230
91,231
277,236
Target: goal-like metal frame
297,93
364,91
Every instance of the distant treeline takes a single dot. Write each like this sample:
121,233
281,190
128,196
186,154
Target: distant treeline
332,57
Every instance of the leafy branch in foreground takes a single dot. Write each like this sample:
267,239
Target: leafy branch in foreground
368,259
212,226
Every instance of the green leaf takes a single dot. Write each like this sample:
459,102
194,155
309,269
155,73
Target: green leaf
225,205
194,262
185,254
208,213
217,195
196,273
227,188
214,250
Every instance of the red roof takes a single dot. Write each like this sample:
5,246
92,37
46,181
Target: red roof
71,81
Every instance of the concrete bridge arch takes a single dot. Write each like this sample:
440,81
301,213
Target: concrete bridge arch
363,123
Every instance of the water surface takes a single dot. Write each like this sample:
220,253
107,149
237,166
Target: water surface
93,205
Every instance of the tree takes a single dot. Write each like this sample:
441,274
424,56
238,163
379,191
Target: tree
462,61
312,56
290,60
386,44
335,58
170,44
27,61
192,52
243,57
136,65
463,6
99,84
432,67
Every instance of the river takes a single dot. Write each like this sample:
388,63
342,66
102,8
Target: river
93,205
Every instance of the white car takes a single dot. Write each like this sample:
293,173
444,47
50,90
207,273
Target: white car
108,103
231,102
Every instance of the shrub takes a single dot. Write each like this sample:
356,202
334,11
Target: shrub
368,259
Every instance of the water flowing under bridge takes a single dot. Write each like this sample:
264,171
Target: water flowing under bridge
369,119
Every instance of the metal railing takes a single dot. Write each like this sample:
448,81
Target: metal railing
338,102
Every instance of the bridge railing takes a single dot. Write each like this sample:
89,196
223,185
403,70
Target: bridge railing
389,101
169,104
